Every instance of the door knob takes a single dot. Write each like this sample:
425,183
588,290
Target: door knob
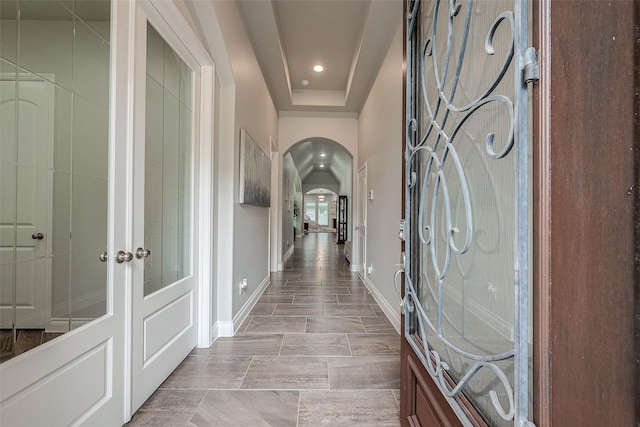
37,236
123,256
143,253
103,256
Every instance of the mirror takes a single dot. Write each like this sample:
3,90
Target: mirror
54,135
168,156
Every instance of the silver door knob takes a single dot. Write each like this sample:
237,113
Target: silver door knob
123,256
37,236
143,253
103,256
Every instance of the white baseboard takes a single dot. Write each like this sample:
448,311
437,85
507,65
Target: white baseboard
224,329
285,257
251,302
214,332
392,313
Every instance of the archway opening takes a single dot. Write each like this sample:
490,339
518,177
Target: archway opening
316,171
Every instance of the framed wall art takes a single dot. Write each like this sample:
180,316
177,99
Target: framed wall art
255,173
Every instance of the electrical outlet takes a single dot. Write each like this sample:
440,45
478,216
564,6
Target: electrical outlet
493,290
244,285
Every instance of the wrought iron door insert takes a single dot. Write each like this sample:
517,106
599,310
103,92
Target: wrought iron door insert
467,202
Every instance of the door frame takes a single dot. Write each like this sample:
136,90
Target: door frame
362,210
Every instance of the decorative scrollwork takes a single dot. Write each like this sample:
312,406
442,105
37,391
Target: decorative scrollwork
436,128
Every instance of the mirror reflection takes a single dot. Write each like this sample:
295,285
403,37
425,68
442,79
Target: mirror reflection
54,125
168,153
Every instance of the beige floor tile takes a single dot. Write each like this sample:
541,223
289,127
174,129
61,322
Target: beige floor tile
361,310
253,408
334,325
315,299
299,310
315,345
247,345
364,372
276,325
378,324
362,408
173,400
287,373
209,372
375,344
262,309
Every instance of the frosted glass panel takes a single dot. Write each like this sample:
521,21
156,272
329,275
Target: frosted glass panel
168,154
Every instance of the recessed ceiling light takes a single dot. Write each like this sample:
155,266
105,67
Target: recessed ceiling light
318,68
305,83
321,166
322,154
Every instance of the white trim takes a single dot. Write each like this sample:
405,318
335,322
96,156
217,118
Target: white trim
285,257
205,196
224,168
392,313
225,329
360,253
243,313
179,26
204,12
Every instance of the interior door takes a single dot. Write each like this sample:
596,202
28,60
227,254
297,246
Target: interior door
78,377
26,204
361,225
466,336
165,232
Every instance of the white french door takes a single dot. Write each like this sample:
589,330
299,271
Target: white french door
141,201
164,234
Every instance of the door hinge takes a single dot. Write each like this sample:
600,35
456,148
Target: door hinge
530,66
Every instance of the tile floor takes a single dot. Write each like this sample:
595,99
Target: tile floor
315,351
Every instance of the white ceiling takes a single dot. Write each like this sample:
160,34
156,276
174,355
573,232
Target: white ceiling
349,38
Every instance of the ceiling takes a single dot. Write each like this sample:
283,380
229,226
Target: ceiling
321,155
349,38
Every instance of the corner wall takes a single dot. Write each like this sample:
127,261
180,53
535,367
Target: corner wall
380,146
254,111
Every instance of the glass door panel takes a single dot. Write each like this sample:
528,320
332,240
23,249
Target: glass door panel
323,214
168,155
467,203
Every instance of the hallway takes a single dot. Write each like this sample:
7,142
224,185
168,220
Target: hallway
315,350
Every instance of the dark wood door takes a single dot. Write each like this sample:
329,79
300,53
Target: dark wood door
583,333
